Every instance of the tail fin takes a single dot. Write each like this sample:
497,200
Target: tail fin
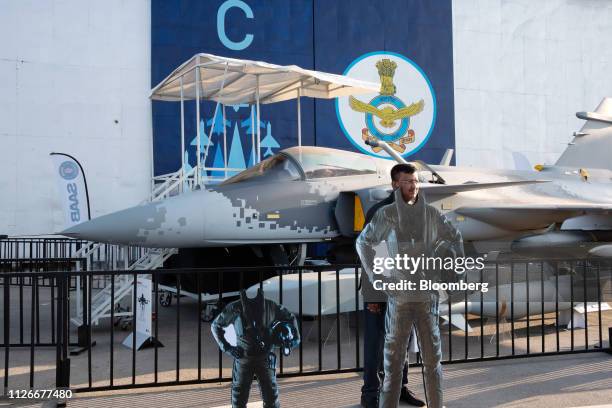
521,162
592,145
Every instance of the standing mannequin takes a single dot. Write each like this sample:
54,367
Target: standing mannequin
375,307
260,325
413,228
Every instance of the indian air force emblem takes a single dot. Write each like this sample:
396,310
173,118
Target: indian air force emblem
402,114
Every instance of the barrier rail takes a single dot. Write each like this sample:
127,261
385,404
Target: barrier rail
28,248
520,316
39,250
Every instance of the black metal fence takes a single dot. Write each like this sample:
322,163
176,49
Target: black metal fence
51,338
29,253
32,248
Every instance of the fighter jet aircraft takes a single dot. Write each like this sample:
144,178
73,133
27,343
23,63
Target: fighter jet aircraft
315,194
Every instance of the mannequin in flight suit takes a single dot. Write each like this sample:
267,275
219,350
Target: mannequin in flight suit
260,325
411,227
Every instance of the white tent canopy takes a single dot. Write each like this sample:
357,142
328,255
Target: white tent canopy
230,81
233,81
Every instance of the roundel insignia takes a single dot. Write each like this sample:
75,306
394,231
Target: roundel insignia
68,170
402,114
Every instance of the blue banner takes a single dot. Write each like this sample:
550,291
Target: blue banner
405,44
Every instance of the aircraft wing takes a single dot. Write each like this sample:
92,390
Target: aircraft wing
531,216
444,189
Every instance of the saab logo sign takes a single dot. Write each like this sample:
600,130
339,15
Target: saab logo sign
73,199
72,188
402,114
68,170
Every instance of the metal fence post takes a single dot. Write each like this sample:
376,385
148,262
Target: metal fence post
7,327
83,329
62,374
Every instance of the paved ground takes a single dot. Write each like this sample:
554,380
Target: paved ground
578,380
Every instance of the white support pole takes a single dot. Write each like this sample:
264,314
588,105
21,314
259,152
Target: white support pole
126,266
78,294
182,173
213,123
152,155
253,135
212,127
299,117
258,123
197,175
224,142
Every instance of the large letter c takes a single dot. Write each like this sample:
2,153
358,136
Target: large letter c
248,38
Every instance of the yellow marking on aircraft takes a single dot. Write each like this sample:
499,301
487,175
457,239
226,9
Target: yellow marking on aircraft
359,219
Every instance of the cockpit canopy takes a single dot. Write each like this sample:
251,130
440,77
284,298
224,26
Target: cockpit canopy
279,167
321,162
298,163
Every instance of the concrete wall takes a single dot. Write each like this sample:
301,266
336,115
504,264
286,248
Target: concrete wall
74,78
522,69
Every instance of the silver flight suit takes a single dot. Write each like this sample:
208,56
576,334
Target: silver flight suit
418,230
257,323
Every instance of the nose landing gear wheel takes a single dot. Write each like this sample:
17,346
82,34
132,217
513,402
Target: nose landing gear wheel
165,299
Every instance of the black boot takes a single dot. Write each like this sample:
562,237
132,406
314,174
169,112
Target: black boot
369,402
408,397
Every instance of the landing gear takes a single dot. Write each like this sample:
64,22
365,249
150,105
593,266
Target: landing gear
296,253
165,298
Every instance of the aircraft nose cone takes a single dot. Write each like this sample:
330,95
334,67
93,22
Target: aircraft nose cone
122,227
176,222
